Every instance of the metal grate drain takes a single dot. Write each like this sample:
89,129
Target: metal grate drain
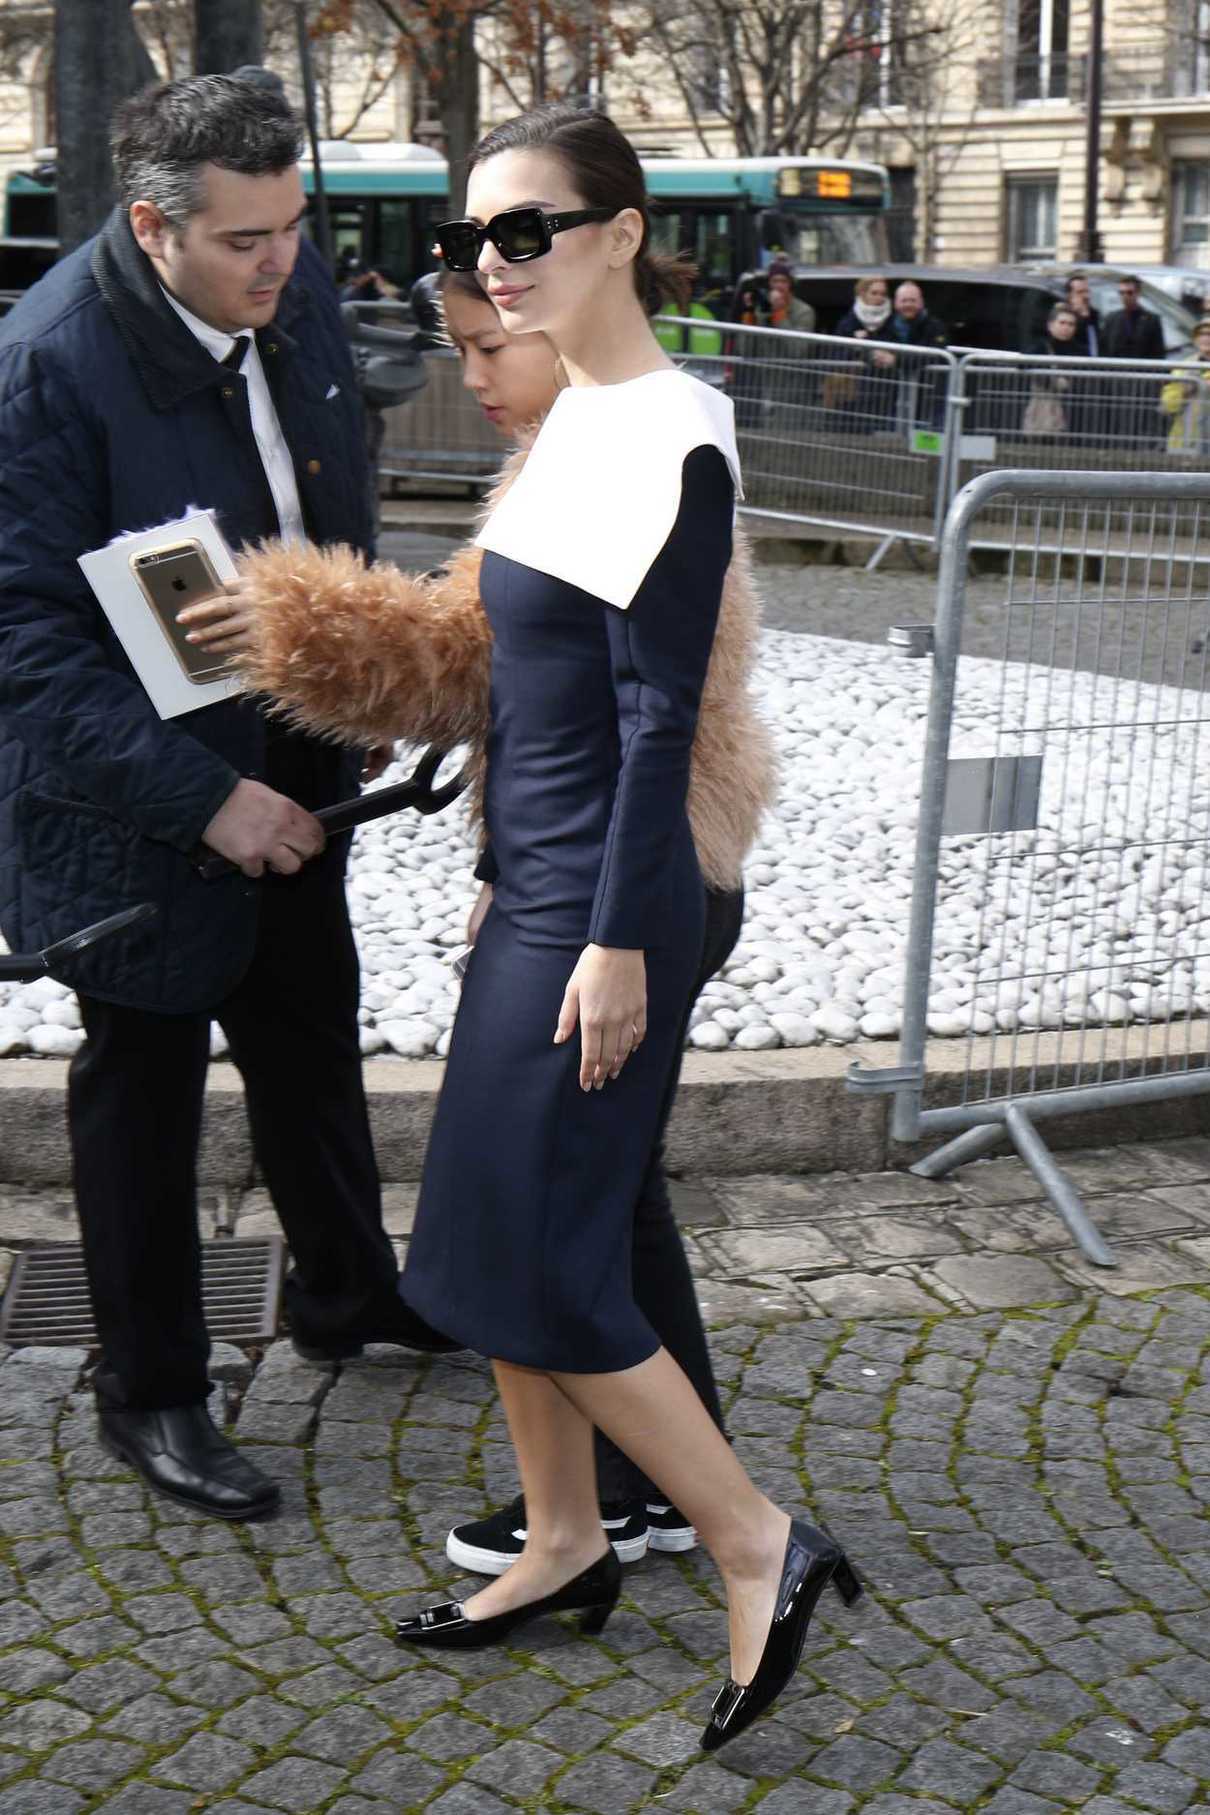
47,1297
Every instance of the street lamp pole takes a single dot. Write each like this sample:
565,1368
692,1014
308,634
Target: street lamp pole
1091,248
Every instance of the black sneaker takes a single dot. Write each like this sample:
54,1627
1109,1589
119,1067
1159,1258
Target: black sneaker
489,1546
668,1528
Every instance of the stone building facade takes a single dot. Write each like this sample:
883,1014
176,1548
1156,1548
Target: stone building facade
986,148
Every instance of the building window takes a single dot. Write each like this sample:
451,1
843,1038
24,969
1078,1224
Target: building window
1041,72
1191,214
901,217
1032,214
878,54
708,83
1199,62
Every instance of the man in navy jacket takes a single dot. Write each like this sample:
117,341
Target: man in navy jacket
178,360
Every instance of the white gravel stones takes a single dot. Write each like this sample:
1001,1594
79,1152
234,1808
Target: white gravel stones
1087,923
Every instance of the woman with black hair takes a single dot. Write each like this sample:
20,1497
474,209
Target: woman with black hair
602,575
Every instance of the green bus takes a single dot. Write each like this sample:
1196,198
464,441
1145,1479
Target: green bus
729,214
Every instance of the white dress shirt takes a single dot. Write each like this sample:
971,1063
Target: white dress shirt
271,443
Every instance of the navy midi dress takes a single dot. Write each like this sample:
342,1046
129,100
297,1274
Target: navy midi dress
522,1242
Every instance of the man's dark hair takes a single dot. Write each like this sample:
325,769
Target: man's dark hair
162,137
1075,277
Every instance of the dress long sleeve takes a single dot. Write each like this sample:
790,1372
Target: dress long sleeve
659,651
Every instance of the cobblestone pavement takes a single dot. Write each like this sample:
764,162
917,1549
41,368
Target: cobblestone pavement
1015,1450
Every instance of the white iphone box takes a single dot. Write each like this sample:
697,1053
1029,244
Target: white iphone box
142,581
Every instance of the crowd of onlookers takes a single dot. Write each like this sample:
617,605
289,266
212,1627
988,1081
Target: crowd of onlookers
1080,406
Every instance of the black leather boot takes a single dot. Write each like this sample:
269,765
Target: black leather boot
180,1454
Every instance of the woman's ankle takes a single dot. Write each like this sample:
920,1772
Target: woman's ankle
751,1547
578,1544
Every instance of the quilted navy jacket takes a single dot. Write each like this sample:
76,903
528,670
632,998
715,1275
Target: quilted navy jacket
112,418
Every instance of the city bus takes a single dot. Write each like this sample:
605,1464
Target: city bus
729,214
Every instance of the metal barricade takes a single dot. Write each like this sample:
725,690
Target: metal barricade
839,434
443,433
833,433
1071,414
1059,923
439,432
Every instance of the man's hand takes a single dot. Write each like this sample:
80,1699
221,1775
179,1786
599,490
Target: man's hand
224,625
257,828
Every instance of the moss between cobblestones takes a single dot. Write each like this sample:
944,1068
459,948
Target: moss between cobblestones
1034,1462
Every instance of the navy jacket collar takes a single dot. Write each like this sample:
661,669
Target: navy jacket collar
169,360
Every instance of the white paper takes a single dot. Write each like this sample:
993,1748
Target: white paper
600,490
138,629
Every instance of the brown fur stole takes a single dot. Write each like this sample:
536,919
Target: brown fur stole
365,655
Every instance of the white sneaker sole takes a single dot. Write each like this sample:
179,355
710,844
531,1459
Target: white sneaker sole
478,1561
684,1537
495,1562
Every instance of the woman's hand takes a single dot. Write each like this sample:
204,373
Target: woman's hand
884,359
378,758
479,913
225,625
607,995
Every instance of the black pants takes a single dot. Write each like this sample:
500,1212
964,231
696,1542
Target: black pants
135,1097
663,1285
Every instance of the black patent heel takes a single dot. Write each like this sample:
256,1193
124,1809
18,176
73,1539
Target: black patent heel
593,1594
812,1560
847,1583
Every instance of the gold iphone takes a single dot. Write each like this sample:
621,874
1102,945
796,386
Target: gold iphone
169,579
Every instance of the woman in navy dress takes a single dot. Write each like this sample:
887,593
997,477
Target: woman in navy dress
601,580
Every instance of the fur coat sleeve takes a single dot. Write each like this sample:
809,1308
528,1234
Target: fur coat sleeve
369,654
366,655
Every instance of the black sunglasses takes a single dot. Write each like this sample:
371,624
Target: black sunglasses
518,234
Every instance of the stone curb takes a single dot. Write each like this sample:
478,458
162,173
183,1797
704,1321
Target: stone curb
737,1113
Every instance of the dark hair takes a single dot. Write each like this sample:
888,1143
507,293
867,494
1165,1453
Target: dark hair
465,283
459,283
1128,277
162,137
605,171
1075,277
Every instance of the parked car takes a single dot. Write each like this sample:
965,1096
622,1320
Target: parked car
1002,308
1176,295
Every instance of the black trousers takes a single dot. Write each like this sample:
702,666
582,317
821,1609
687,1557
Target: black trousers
663,1285
135,1098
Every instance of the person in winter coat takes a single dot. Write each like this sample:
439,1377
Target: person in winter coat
1132,332
1185,399
865,393
298,651
1050,406
187,356
921,398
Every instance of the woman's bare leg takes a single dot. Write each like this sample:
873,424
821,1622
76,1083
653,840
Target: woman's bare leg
653,1414
553,1441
